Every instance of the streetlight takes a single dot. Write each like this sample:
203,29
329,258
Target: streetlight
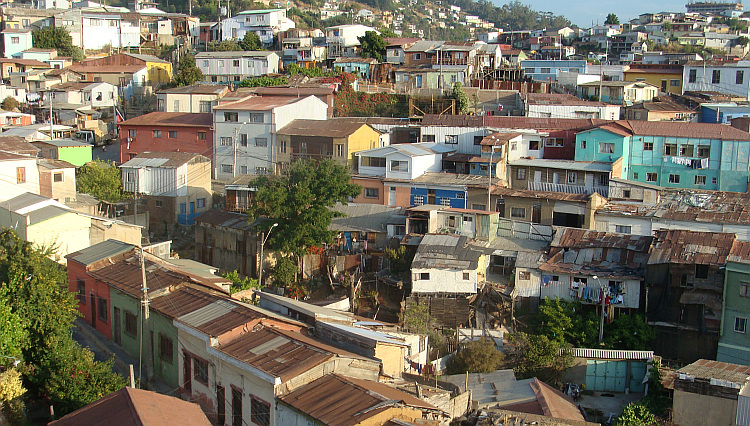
263,243
601,322
489,172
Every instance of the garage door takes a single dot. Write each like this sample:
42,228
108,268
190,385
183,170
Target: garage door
637,373
606,376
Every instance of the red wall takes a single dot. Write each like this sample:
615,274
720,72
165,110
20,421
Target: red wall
100,290
186,141
567,151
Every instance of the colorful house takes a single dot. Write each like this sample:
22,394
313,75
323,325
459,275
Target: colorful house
734,338
668,78
167,132
74,152
360,67
671,154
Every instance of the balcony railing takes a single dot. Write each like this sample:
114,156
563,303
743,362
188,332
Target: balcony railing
570,189
449,61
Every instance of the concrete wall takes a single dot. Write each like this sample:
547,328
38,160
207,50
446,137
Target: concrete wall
689,409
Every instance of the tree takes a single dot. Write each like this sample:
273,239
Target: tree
251,41
101,180
372,45
612,19
13,335
416,319
284,271
239,284
537,356
57,38
741,41
187,72
628,332
10,104
224,46
263,81
301,202
636,414
461,98
479,356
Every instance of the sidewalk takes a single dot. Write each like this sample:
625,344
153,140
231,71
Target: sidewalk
103,349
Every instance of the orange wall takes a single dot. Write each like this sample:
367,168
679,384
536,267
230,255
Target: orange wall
369,183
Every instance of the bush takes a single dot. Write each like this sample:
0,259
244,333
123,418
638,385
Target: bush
479,356
10,104
636,414
240,284
284,271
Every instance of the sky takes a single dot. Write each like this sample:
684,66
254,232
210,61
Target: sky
583,12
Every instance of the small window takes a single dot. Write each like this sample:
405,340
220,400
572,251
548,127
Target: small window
256,117
339,149
740,324
533,145
625,193
81,291
200,370
225,141
467,276
716,77
371,192
261,170
686,150
201,136
714,180
417,56
418,200
740,77
428,138
704,151
172,134
692,76
399,166
424,276
744,289
57,177
20,174
521,174
478,140
237,407
226,168
445,202
648,146
700,179
236,63
159,203
200,203
132,133
231,117
157,133
670,149
623,229
518,212
166,349
651,177
261,142
260,412
701,272
524,275
243,139
635,175
674,178
674,83
554,142
131,324
583,144
572,178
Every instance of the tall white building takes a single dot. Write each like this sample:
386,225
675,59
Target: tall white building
731,78
343,40
245,132
266,23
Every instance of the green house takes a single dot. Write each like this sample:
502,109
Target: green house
73,151
734,337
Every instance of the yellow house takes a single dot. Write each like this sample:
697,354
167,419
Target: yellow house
318,139
158,71
668,78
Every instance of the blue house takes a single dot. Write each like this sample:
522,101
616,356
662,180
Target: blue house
360,67
461,191
671,154
734,339
722,112
548,70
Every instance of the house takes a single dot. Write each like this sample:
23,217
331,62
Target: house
662,110
426,77
266,23
12,118
195,99
446,264
586,265
388,349
80,93
73,151
130,79
303,51
227,241
667,77
342,40
97,30
545,105
575,210
729,77
431,219
713,390
15,41
361,68
305,312
333,139
245,138
714,40
548,69
38,80
158,71
175,185
670,154
236,66
575,177
367,228
17,145
395,49
40,131
618,92
359,402
734,346
10,66
131,406
685,280
454,190
18,175
167,132
57,180
623,42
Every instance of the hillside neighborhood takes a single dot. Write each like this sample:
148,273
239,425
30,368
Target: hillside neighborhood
391,212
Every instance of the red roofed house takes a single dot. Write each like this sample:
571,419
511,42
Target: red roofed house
166,132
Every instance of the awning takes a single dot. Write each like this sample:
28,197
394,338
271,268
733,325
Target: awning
569,208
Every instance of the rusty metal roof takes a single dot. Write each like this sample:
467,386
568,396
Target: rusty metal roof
445,251
542,123
498,138
676,129
707,369
453,120
525,193
337,400
691,247
321,128
740,252
226,219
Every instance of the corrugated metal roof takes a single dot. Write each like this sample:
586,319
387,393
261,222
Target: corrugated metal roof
22,201
321,128
207,313
100,251
173,119
222,218
364,217
65,143
611,354
138,163
708,369
45,213
366,333
163,159
691,247
444,251
588,166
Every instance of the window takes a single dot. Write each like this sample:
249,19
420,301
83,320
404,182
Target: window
467,276
131,324
200,203
282,147
102,309
716,77
635,175
261,170
648,146
243,139
572,178
373,162
651,177
623,229
673,178
81,291
256,117
243,170
700,179
518,212
204,106
132,133
521,174
451,139
533,145
236,63
583,144
176,105
445,202
159,203
225,141
417,56
686,150
221,414
260,412
692,76
744,289
513,145
200,370
478,140
157,133
130,177
14,40
231,117
371,192
226,168
740,324
418,200
183,208
674,83
20,174
556,142
339,149
740,77
166,349
399,166
625,193
172,134
704,151
546,70
237,407
428,138
424,276
57,177
701,272
205,63
714,180
670,149
524,275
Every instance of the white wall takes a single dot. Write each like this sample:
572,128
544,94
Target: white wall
573,111
160,181
99,32
727,84
248,66
647,226
562,289
9,186
465,137
444,281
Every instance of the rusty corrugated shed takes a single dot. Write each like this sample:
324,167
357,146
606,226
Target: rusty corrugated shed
691,247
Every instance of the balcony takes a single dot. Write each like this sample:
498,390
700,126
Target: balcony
569,189
449,61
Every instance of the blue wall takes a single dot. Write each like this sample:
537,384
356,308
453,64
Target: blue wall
722,114
453,195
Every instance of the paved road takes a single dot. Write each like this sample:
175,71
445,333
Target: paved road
112,152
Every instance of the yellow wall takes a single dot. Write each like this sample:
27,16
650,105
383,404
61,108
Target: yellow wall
656,78
403,413
392,357
68,232
159,73
362,139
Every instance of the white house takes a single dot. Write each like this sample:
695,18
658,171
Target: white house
97,95
18,175
542,105
464,139
245,131
15,41
266,23
343,39
99,30
402,161
731,78
236,66
446,264
50,4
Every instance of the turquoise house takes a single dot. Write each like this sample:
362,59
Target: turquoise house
671,154
734,336
360,67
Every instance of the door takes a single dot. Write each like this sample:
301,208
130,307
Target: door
93,310
392,196
187,373
664,85
116,326
192,208
538,176
536,213
221,405
556,177
589,180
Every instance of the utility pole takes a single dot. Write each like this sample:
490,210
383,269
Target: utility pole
51,130
145,324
